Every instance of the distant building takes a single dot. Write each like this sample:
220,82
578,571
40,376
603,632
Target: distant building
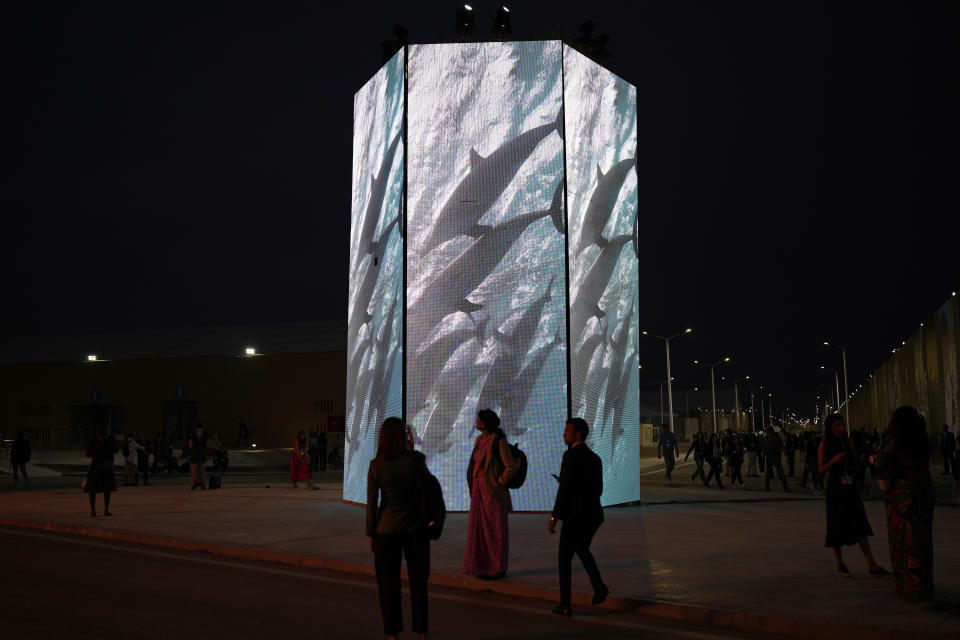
168,379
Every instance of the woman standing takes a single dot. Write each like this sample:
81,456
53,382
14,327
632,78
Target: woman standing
490,469
100,478
903,469
394,529
846,519
299,465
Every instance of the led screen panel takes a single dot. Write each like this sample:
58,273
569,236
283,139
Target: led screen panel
375,316
601,134
486,295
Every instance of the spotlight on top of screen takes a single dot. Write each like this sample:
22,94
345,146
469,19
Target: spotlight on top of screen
501,22
466,24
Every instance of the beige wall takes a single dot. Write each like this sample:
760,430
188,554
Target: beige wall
276,394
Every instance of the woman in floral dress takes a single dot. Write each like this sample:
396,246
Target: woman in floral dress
903,469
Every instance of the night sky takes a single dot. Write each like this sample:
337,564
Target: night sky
171,165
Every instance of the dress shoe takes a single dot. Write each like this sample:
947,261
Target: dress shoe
562,610
600,594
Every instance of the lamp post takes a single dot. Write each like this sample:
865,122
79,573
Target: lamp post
846,388
736,397
666,342
713,386
836,382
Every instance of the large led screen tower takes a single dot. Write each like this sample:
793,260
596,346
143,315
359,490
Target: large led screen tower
494,261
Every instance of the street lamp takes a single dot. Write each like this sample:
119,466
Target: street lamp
713,386
736,397
666,342
846,388
836,382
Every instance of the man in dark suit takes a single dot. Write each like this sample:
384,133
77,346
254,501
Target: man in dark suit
578,505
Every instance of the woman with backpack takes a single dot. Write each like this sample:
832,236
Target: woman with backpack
491,467
393,524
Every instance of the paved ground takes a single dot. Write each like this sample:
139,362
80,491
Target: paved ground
228,598
746,559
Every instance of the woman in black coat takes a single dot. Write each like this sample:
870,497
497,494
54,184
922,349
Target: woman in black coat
714,456
394,527
100,450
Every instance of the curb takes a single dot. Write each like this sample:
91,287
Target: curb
698,614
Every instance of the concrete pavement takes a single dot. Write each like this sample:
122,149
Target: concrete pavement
747,560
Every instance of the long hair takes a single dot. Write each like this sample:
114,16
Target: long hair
909,431
392,438
828,426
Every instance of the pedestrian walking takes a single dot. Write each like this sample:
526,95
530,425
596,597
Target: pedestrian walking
299,465
243,433
697,446
948,444
714,458
578,505
903,467
314,450
491,466
393,500
668,448
811,444
19,457
735,462
196,452
772,450
100,450
131,461
750,454
143,458
847,522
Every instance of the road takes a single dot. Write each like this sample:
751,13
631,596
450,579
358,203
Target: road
61,586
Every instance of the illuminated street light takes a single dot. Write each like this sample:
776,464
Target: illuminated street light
91,358
250,351
846,387
666,341
713,386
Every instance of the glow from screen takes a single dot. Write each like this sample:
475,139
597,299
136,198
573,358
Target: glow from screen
375,315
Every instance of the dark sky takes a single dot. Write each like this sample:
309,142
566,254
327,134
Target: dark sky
170,165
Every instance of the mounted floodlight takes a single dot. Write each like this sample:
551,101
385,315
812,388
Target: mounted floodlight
91,358
689,330
727,359
250,351
466,23
501,22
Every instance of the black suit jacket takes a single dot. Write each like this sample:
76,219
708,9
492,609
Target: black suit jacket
581,484
394,482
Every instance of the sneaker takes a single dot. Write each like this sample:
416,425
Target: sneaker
843,571
879,572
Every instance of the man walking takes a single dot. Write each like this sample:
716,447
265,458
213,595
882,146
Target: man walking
578,505
667,446
772,449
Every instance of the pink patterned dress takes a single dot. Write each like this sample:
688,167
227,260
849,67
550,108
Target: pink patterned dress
487,547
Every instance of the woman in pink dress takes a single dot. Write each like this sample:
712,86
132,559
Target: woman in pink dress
299,465
490,469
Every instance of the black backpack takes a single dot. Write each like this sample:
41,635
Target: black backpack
433,510
521,475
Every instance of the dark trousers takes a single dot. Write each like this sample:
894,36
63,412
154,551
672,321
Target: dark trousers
575,538
18,468
774,463
947,454
670,462
323,458
714,473
387,551
735,475
314,459
699,471
791,463
810,470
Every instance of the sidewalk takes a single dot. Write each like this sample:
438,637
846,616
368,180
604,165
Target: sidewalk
753,565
